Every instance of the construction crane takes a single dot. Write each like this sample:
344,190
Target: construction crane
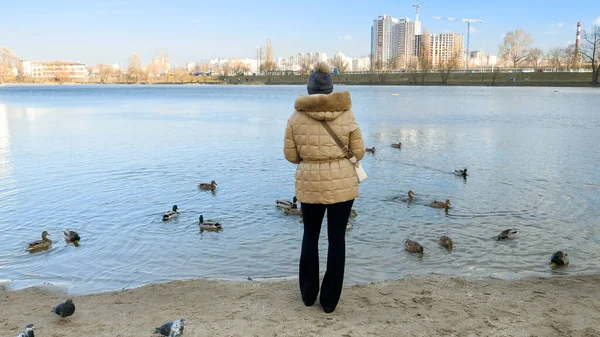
468,21
417,5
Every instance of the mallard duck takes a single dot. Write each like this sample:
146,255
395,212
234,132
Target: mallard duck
559,259
446,242
171,214
286,203
292,211
411,195
397,145
212,186
462,173
370,150
508,234
208,224
440,204
353,213
413,247
71,236
42,244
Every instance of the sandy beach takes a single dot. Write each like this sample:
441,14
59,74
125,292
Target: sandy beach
414,306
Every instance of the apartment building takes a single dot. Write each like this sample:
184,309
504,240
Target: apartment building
442,47
54,69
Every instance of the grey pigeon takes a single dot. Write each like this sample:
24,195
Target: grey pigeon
172,328
28,331
65,309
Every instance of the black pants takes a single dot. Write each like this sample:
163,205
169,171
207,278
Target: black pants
337,219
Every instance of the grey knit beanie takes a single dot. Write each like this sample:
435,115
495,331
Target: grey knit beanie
320,80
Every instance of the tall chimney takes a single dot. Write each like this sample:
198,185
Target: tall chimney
577,44
578,35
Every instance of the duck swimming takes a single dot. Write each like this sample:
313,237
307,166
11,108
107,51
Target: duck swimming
171,214
292,211
208,224
71,237
510,233
211,187
446,242
370,150
42,244
462,173
413,247
397,145
439,204
411,195
286,203
559,259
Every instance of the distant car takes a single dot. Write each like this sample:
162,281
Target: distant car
511,79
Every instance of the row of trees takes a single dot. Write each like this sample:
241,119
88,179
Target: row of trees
516,50
9,61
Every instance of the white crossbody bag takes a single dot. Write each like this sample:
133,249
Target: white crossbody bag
360,172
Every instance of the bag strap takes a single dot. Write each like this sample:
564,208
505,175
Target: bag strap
345,150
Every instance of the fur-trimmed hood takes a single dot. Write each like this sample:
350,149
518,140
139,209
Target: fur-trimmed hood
324,107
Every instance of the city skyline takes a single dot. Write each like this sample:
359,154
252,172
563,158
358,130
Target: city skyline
110,31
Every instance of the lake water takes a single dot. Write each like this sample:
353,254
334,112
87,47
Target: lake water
108,161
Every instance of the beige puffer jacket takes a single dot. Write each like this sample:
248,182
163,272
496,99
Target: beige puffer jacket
324,175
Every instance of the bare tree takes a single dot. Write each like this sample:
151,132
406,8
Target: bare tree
569,56
535,56
180,75
305,65
62,75
238,67
268,68
8,61
495,74
515,48
590,50
104,72
135,67
447,66
412,66
225,69
555,56
424,58
339,63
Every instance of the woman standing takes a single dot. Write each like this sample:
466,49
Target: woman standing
325,180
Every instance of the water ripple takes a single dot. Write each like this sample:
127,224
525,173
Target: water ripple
108,161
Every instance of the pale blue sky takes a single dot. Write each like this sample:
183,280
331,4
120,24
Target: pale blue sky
108,31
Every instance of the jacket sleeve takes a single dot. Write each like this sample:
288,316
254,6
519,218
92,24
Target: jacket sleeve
289,146
357,144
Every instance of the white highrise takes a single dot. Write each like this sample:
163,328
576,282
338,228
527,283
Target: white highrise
407,42
384,41
393,41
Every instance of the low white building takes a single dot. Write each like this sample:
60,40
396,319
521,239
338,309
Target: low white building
54,69
361,64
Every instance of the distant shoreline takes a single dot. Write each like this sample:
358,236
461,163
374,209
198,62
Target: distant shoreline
500,84
377,79
432,305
